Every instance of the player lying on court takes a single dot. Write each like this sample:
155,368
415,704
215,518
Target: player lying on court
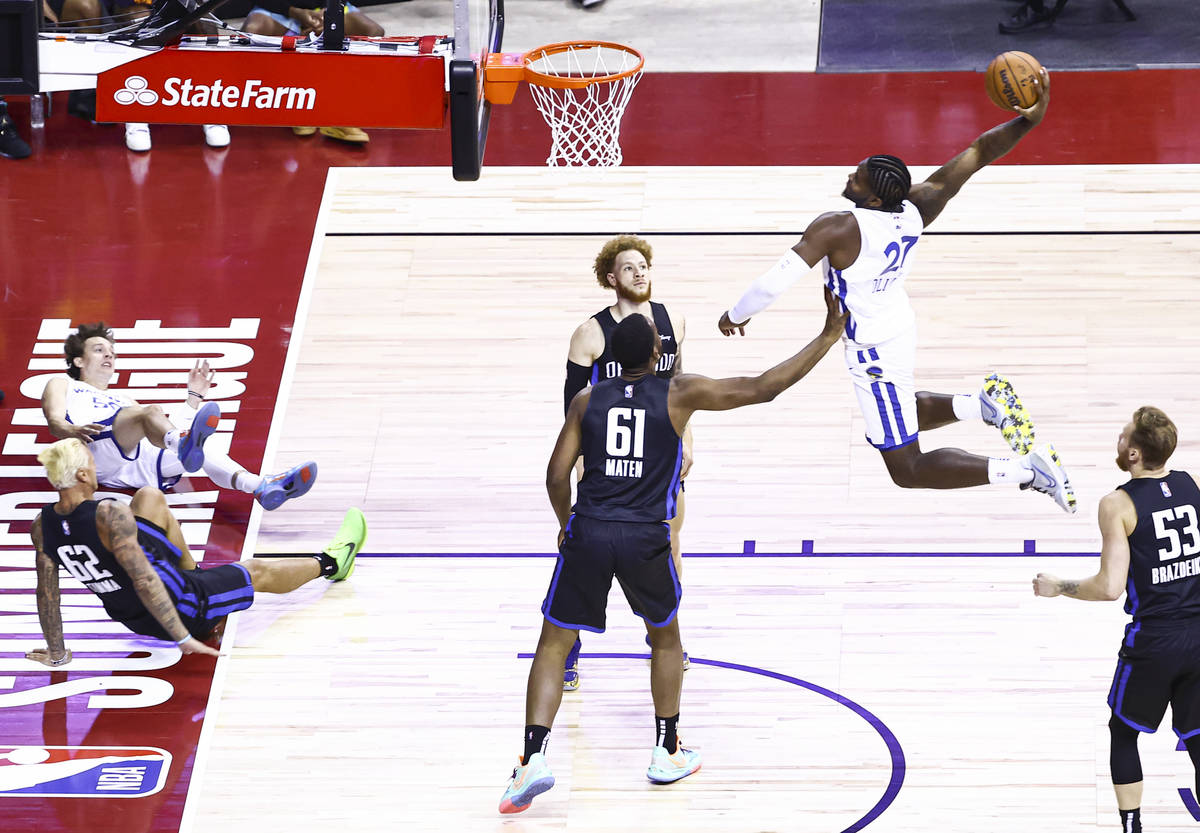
1150,551
865,254
629,430
135,560
137,445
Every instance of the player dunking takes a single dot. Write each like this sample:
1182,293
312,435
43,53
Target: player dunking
865,254
623,265
629,430
1150,550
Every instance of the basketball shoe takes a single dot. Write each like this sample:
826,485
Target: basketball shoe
1002,408
191,446
346,545
279,488
1049,476
667,767
528,781
571,668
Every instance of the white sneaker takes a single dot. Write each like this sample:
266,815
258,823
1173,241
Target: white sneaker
667,768
1001,407
1049,476
216,135
137,136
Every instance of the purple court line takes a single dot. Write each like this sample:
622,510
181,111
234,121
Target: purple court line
749,550
893,745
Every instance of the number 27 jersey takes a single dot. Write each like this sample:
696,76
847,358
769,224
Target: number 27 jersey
872,288
631,453
1164,548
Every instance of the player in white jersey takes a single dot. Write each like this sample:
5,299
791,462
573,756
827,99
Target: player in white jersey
137,445
865,254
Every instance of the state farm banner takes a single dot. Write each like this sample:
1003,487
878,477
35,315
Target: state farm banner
257,87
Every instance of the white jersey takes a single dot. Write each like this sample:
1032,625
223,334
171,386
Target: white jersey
146,466
872,288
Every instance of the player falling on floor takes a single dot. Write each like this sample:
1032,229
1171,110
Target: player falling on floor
1150,551
629,430
865,254
623,265
136,445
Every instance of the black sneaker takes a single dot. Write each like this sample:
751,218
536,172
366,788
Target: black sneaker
1027,18
12,145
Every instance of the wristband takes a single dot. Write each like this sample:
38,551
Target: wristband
60,661
185,639
193,393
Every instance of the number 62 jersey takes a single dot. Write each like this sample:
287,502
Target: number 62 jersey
631,452
1164,548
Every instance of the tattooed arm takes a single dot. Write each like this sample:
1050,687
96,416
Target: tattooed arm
118,532
1118,518
49,613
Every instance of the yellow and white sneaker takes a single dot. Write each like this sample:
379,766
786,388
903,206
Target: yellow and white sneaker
1002,408
1049,477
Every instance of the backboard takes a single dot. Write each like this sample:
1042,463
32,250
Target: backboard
478,32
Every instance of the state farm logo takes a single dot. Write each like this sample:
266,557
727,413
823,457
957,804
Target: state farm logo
136,89
184,92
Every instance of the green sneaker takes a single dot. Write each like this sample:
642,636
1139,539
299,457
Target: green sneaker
347,544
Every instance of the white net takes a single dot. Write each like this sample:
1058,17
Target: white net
585,123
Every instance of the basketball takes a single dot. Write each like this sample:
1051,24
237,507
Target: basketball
1010,79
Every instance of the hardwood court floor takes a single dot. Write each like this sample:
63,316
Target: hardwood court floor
428,385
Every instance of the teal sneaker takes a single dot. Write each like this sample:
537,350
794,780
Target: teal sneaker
527,782
349,541
274,491
666,768
191,446
1002,408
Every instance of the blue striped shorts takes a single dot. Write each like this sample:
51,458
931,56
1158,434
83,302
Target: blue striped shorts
882,375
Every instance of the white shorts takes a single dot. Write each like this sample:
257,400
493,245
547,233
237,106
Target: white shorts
882,375
148,466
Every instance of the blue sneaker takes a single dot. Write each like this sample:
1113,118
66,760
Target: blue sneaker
274,491
666,768
571,667
191,447
527,782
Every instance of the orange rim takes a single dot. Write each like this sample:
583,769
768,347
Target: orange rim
533,76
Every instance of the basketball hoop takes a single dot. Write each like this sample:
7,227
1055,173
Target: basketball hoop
581,89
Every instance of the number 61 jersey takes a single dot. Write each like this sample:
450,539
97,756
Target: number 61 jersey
1164,548
631,453
74,542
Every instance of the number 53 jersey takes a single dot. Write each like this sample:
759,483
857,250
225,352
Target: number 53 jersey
1164,548
872,287
631,452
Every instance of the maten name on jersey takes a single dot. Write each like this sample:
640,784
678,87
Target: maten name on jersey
614,467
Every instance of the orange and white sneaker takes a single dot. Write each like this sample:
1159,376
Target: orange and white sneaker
527,782
667,767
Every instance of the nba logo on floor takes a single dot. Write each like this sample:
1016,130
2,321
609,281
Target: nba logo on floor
82,771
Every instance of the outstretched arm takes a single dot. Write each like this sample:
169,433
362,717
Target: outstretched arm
118,532
49,612
931,196
691,393
1118,518
829,234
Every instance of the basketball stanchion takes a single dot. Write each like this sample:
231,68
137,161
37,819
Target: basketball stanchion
581,89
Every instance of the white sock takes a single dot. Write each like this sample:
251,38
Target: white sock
222,471
1008,470
966,406
171,439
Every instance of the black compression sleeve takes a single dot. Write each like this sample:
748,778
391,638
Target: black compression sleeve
578,376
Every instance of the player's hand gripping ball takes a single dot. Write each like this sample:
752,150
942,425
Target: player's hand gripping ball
1010,80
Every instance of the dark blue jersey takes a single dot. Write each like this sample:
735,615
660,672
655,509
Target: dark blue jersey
631,453
1164,548
606,367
